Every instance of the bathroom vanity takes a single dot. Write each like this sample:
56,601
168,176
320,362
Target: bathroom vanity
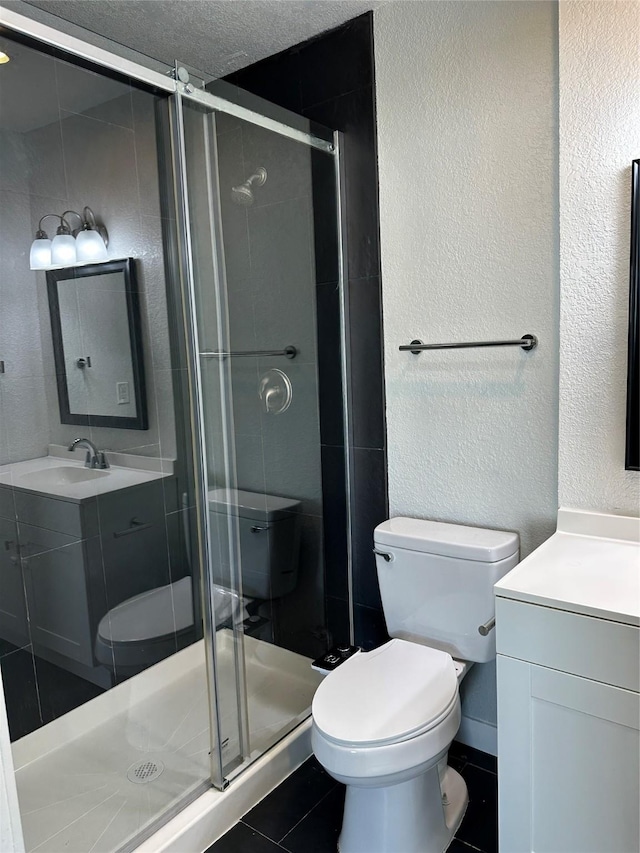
74,542
568,643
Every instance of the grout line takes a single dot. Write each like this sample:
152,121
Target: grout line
257,831
322,799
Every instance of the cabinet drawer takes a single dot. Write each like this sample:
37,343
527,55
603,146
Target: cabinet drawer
570,642
74,519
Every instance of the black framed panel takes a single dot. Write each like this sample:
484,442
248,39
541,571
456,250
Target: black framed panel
632,457
62,347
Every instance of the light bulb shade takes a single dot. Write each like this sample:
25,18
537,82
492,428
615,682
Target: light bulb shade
40,254
63,250
90,247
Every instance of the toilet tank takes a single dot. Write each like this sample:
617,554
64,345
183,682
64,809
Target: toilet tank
269,530
437,583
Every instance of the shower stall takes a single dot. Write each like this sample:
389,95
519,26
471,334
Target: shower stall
159,617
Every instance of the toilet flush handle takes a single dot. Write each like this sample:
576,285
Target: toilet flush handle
483,630
384,555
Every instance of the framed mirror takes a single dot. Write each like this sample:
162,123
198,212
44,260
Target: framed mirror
97,345
632,456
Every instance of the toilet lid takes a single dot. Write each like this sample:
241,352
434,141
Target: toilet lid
150,615
387,695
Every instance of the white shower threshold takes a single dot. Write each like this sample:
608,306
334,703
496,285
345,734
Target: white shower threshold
97,778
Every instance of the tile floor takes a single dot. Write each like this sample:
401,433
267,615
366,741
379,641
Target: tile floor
304,813
36,691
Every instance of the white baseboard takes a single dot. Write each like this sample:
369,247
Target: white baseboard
478,734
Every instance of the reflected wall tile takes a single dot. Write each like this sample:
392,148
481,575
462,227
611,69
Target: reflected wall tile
163,381
45,156
247,406
86,92
101,164
249,464
14,166
4,446
28,428
144,125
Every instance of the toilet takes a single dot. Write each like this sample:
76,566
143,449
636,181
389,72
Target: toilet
383,721
149,627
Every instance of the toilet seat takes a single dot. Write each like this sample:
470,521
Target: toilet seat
393,694
152,615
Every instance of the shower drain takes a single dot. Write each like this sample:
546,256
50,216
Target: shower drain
144,771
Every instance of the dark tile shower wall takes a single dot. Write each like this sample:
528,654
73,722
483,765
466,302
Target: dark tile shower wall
331,80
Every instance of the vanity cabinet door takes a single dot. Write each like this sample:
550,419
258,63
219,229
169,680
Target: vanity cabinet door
133,541
57,596
13,611
568,762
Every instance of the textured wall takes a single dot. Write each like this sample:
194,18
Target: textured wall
599,136
467,126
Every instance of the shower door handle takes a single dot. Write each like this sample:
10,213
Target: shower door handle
256,529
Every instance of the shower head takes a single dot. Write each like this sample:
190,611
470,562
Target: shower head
243,194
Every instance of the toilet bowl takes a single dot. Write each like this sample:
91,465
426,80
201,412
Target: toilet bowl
383,720
399,710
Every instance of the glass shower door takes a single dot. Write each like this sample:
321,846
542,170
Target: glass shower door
264,250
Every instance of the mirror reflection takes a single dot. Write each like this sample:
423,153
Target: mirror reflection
95,323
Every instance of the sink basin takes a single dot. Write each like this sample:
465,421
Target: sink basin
63,475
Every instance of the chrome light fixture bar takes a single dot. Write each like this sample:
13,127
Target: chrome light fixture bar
86,245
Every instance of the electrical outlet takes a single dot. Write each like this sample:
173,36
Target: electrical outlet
122,393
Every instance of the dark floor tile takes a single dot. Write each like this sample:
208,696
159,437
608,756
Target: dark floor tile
21,693
243,839
468,754
61,691
480,825
318,832
291,801
6,648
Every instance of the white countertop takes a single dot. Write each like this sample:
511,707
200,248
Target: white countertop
591,565
53,476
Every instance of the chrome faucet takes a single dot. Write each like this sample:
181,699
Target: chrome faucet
95,458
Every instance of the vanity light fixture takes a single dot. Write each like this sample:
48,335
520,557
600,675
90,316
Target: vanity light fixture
86,245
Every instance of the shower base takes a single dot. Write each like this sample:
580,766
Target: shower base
109,771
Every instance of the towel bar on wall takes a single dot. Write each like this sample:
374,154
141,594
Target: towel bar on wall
526,342
288,352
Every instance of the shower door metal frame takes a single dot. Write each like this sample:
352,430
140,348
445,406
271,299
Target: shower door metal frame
59,42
